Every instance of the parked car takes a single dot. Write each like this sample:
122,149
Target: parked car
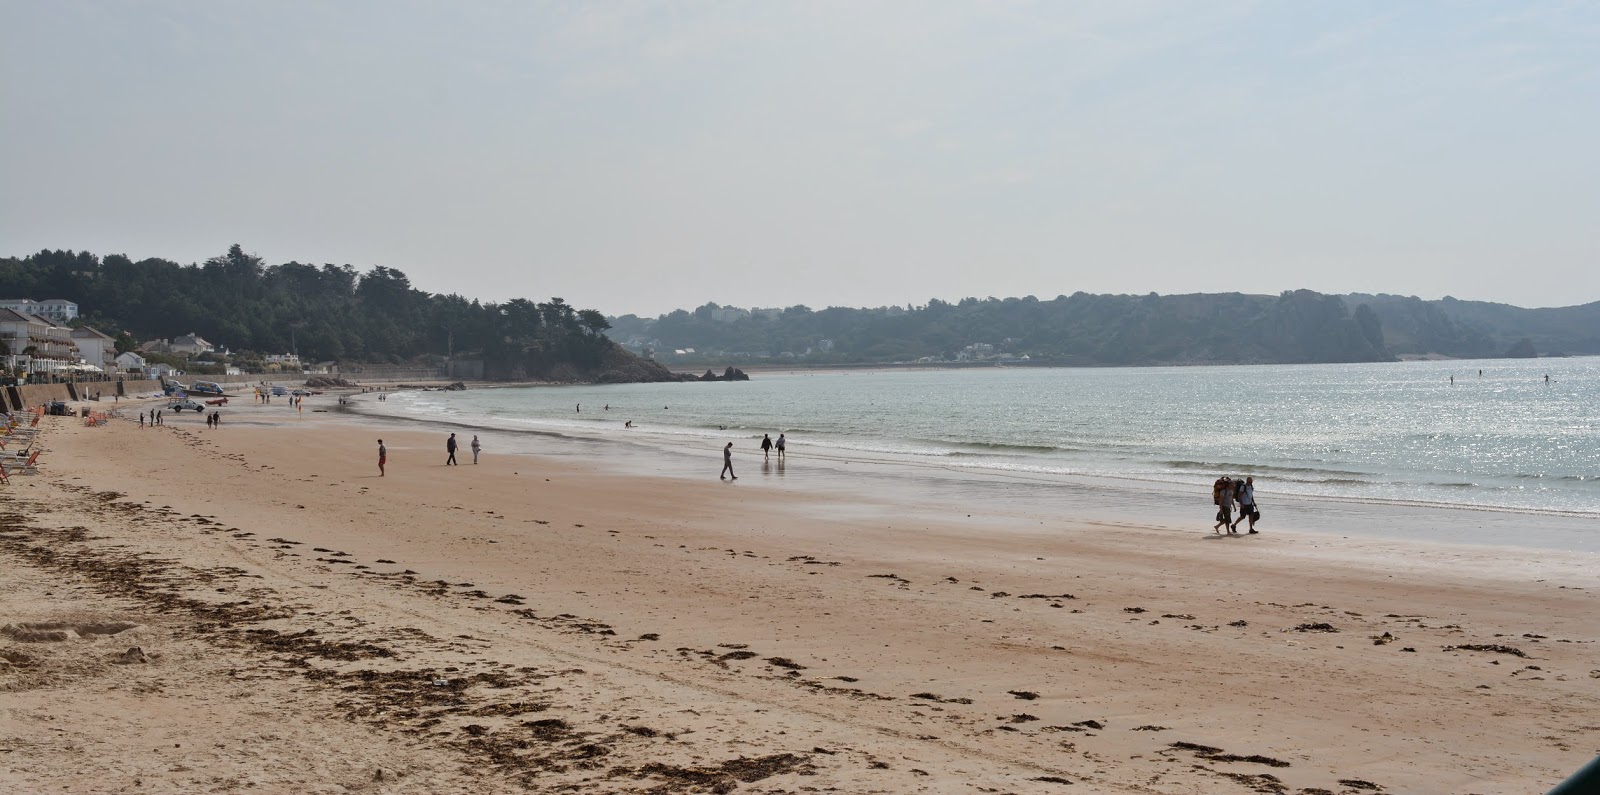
180,406
280,391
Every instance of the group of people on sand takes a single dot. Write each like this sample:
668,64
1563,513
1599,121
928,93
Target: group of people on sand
1228,493
768,447
450,448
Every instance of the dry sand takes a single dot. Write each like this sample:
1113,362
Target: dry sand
537,624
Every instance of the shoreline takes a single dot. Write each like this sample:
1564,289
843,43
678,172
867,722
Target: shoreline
1171,502
602,622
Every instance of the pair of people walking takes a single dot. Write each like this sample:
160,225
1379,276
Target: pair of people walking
450,447
768,446
1227,493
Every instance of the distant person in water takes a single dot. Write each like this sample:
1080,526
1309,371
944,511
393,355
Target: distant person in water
383,457
628,424
727,463
779,445
766,445
1246,494
1222,496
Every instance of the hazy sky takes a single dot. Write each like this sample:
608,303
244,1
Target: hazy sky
639,157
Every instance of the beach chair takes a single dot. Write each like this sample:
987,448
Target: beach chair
29,467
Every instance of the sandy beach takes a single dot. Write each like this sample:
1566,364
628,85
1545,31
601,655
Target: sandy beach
562,624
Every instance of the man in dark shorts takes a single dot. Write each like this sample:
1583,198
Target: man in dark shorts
766,445
383,457
1247,504
450,447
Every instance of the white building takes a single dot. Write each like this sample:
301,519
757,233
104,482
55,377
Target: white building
95,347
57,310
287,361
36,345
131,362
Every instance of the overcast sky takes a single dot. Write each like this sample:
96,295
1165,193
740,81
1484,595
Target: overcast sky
639,157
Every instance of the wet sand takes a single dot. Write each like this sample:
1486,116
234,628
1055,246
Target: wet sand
564,624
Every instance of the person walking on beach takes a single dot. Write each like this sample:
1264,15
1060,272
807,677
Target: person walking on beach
1222,495
778,445
383,457
450,447
475,448
766,445
141,419
727,463
1247,505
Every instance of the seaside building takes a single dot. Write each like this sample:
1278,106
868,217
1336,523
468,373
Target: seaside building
36,345
284,361
96,347
131,362
192,345
187,345
57,310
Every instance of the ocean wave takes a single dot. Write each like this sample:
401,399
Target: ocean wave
1265,469
997,446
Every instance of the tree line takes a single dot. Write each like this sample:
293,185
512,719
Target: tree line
1296,326
327,312
1081,329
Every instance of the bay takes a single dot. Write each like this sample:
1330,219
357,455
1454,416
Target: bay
1389,433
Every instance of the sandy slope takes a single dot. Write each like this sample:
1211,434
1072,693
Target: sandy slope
538,624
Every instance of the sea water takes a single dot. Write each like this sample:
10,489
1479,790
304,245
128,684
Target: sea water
1399,433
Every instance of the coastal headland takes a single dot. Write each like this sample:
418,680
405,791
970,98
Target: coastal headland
252,608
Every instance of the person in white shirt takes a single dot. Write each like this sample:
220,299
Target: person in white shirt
1246,494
